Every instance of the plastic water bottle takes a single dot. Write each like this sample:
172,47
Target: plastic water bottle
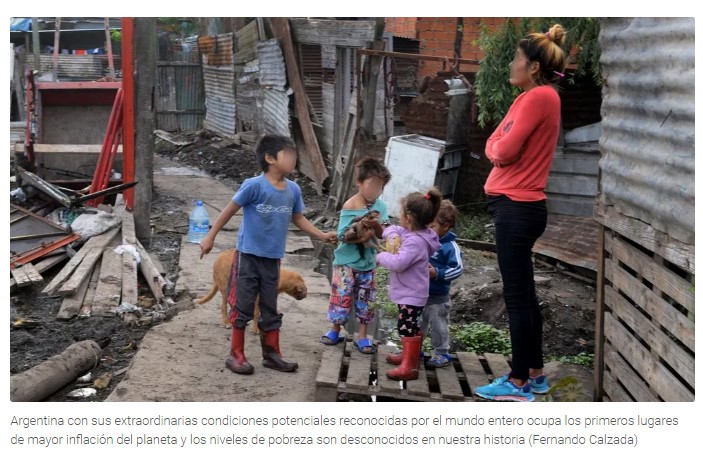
198,223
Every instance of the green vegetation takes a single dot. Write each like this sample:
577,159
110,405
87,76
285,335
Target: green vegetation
494,94
479,337
471,224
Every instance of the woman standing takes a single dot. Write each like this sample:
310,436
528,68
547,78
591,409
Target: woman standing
521,150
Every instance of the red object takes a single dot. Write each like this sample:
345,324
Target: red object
111,143
410,365
36,253
128,85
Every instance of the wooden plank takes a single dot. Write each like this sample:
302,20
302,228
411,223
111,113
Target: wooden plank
621,371
32,273
598,367
153,278
676,252
359,369
43,266
498,364
97,241
87,308
385,384
281,30
20,276
659,377
659,309
71,305
475,375
615,392
330,366
129,263
448,381
419,387
669,282
107,294
659,342
82,272
340,33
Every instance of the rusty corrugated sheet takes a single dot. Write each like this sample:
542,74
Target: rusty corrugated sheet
570,239
76,67
647,167
216,50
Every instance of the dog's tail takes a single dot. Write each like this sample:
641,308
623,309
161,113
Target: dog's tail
209,296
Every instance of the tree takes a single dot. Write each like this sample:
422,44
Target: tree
494,94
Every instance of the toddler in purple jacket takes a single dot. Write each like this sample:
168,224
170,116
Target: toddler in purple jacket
409,278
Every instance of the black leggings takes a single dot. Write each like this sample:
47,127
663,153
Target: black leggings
409,320
518,226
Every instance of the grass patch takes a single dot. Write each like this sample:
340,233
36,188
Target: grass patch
479,337
471,224
582,359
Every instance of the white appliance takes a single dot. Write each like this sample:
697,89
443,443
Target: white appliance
412,161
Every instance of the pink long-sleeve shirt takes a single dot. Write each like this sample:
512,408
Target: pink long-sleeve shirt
528,133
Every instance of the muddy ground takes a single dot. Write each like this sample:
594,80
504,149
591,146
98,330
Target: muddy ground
568,305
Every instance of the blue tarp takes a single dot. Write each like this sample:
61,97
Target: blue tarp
20,24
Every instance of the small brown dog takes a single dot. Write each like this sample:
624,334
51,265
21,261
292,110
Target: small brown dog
289,282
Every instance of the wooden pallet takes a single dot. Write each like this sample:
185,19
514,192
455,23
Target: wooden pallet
344,370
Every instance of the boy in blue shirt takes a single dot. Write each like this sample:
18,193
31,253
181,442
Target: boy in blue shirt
270,203
445,266
354,266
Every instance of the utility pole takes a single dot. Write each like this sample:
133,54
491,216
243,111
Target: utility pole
144,57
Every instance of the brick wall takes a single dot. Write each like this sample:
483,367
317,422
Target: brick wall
436,36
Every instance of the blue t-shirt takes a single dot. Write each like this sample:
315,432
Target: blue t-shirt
267,213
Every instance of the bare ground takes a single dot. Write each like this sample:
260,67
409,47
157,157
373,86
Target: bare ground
567,304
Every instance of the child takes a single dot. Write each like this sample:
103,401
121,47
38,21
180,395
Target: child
409,278
445,266
354,266
270,203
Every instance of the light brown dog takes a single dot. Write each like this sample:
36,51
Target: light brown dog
289,282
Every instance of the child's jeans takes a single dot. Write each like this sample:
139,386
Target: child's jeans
435,318
349,285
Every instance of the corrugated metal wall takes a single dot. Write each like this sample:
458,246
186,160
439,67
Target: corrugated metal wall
645,302
647,168
77,68
272,79
218,76
180,100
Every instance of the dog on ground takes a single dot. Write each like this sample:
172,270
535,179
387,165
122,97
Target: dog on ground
289,282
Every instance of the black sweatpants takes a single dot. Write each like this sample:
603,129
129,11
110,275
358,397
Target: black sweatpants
257,276
518,226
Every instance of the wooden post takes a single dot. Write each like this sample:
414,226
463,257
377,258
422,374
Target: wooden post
598,365
57,33
371,71
145,62
36,44
281,30
108,45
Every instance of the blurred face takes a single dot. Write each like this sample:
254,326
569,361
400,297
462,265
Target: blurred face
285,160
522,71
370,188
439,228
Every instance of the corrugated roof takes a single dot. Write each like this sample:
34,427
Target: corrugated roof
77,67
648,141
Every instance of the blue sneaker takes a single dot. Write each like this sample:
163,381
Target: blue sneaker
539,385
440,360
504,390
